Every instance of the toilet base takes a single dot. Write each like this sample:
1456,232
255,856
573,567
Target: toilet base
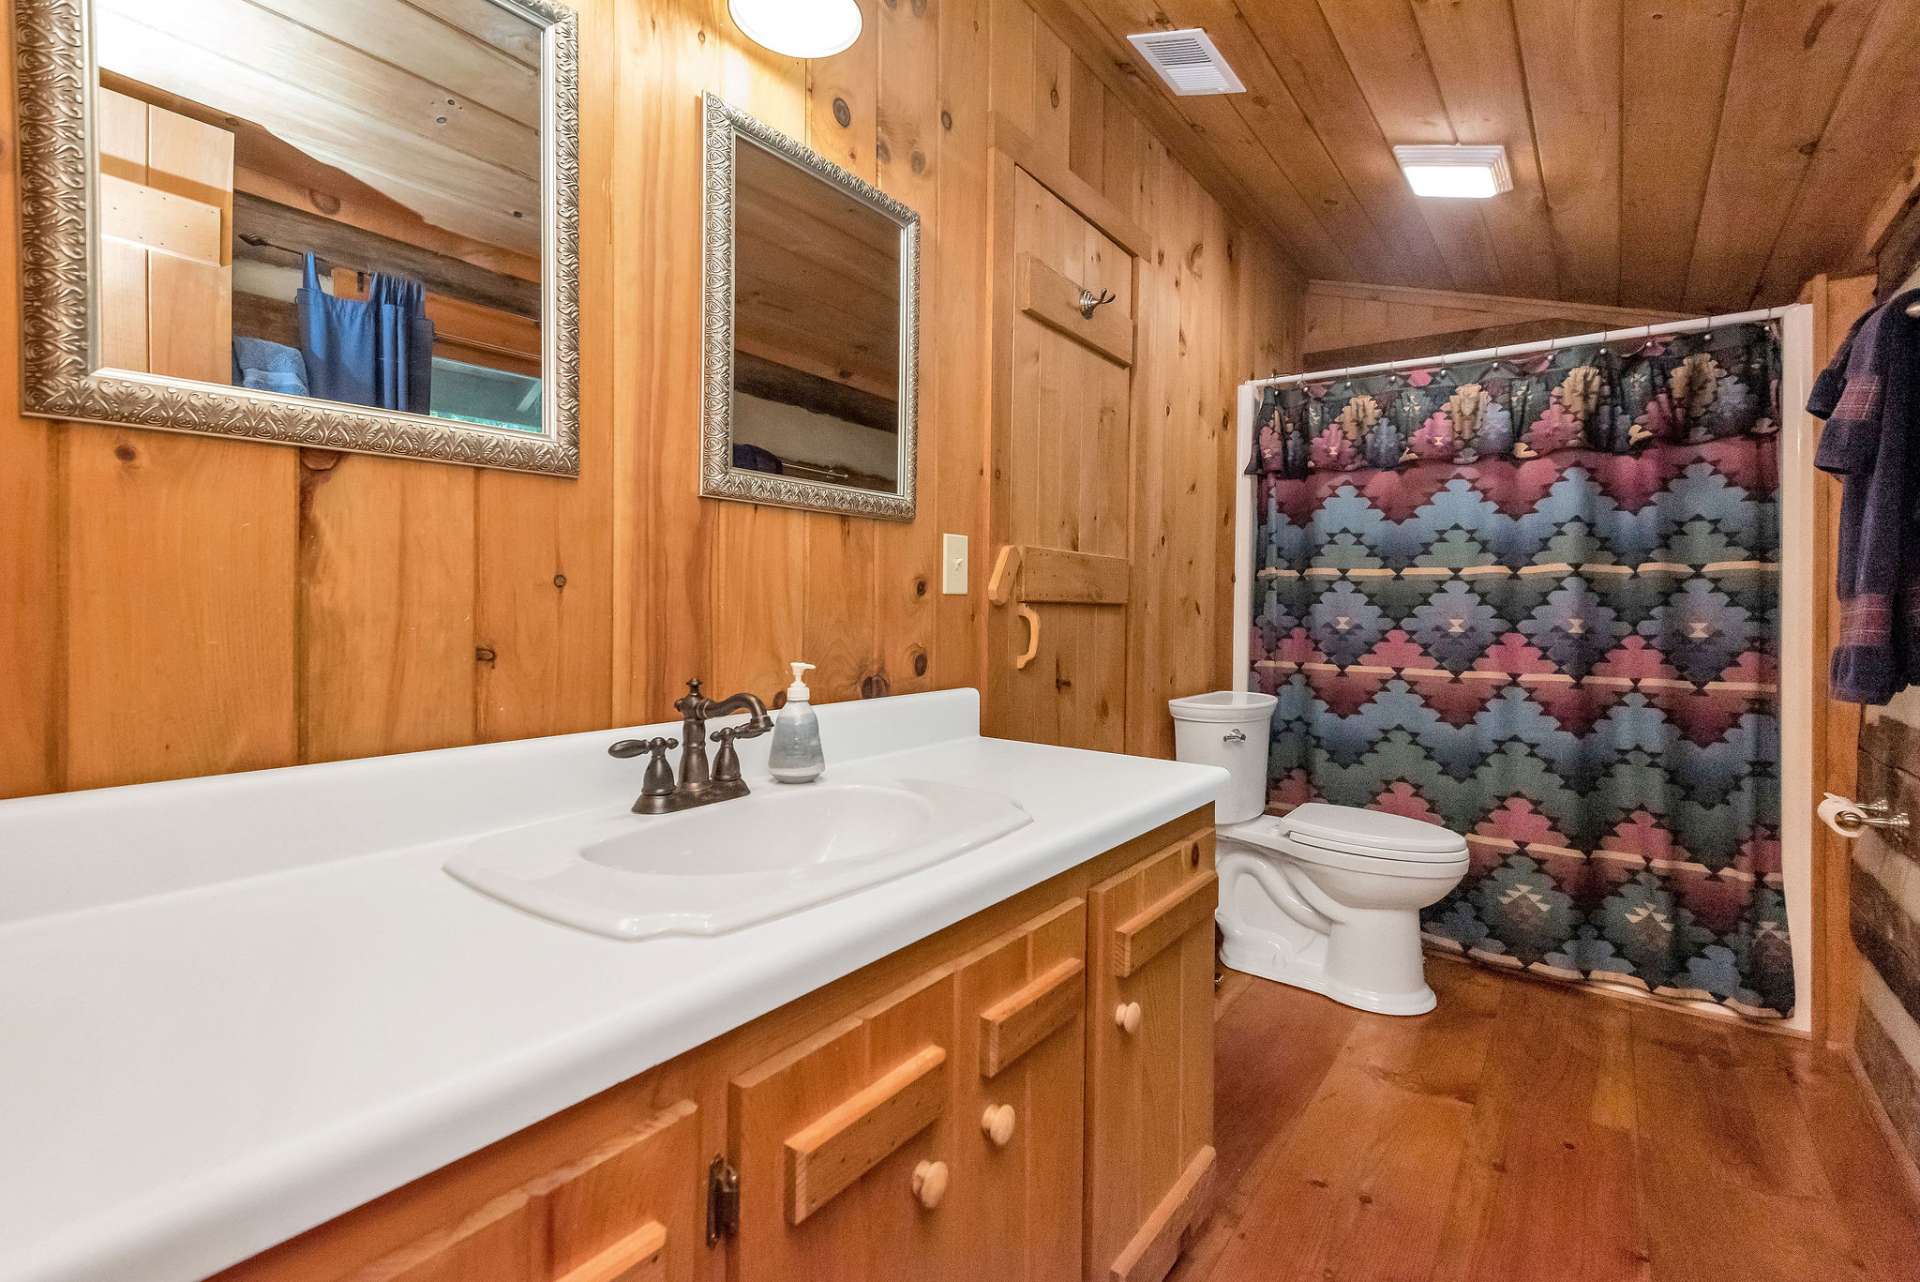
1270,958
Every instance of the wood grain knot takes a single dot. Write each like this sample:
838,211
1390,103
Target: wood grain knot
842,114
484,654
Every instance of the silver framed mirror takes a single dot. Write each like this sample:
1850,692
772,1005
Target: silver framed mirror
351,227
811,321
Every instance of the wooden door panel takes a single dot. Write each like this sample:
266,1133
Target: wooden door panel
1150,1059
633,1210
1061,467
629,1211
1022,1002
828,1136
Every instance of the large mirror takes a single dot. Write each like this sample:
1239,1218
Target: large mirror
349,225
811,328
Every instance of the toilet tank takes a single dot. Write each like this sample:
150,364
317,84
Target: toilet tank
1229,728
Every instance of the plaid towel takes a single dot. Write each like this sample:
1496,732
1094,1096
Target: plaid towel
1870,397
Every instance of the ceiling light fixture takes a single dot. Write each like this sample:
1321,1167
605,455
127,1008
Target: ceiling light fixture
799,28
1470,173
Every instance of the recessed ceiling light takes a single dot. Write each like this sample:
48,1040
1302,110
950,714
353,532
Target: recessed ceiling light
799,28
1470,173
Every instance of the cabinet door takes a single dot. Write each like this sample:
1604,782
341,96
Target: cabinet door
1150,1060
630,1211
844,1146
1020,1112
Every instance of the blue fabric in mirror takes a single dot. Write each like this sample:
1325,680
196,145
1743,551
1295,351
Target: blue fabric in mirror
377,352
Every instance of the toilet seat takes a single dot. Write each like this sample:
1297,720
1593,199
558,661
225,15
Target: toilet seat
1335,855
1370,834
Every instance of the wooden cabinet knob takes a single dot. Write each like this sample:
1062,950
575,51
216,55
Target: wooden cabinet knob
1127,1016
930,1183
998,1122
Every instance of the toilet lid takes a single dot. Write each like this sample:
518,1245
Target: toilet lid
1369,832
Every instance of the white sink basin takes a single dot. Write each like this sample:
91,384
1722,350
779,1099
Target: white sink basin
733,863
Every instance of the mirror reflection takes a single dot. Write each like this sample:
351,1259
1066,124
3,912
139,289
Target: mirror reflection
816,328
333,201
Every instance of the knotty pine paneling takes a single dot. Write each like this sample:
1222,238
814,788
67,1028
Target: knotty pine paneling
177,606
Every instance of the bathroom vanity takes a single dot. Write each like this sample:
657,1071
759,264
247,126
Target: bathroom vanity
996,1065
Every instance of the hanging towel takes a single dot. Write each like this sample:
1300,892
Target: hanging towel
1870,396
376,352
268,366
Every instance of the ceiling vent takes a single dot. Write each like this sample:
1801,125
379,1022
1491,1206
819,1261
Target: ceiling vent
1187,61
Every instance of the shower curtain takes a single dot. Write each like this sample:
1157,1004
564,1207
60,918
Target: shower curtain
1536,601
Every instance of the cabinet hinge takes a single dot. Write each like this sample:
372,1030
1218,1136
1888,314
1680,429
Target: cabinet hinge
723,1200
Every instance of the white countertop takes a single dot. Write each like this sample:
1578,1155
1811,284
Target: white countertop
194,1074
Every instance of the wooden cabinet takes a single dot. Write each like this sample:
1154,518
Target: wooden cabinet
625,1212
1025,1096
1150,1060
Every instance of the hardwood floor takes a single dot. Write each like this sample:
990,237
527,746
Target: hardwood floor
1529,1133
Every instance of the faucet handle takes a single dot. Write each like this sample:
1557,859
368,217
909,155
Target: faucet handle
634,747
726,764
657,785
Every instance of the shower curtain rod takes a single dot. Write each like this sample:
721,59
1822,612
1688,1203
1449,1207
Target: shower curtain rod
1521,349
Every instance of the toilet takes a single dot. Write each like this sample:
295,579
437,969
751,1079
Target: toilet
1325,897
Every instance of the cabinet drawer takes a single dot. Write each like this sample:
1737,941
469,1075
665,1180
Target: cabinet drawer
626,1212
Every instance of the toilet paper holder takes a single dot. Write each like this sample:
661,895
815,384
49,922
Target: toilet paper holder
1872,814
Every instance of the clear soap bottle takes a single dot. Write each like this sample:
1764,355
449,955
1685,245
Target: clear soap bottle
795,756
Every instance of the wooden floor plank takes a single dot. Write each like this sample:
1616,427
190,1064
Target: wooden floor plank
1538,1156
1529,1133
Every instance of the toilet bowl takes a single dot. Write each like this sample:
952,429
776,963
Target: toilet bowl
1325,897
1328,898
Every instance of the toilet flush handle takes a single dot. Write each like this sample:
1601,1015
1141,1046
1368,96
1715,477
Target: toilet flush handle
1234,736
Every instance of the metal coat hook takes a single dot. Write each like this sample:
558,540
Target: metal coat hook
1089,303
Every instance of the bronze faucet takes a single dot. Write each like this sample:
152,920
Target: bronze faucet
660,793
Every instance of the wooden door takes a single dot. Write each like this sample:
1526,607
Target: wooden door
1061,496
1150,1061
630,1211
166,241
1021,1070
845,1143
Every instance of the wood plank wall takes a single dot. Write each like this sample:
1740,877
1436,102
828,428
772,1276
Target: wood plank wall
175,606
1358,324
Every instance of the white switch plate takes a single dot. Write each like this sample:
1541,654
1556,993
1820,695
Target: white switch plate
953,564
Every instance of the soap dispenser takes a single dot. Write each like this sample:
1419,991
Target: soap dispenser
795,756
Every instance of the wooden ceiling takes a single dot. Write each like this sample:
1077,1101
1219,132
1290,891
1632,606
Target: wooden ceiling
1693,155
433,103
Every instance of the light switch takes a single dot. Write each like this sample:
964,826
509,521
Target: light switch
953,564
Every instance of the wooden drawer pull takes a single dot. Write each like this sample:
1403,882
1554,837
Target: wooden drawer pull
930,1183
1143,936
640,1256
1126,1017
830,1153
998,1122
1029,1015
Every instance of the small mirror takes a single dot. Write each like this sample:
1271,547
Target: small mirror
349,225
811,328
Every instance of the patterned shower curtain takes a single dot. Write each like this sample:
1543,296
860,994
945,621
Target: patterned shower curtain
1536,601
